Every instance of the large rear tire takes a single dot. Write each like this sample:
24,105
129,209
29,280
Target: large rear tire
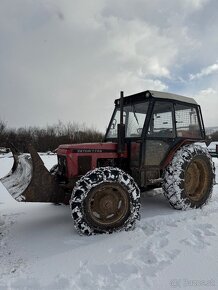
105,200
188,179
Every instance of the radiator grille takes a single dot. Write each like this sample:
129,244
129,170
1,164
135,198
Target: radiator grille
84,164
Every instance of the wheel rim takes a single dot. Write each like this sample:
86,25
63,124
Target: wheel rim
107,205
197,179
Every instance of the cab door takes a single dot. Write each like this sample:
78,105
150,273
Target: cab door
159,138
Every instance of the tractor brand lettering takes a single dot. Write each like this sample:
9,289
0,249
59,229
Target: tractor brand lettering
89,151
93,151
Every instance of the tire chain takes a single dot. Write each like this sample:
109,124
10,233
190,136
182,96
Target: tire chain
94,178
170,183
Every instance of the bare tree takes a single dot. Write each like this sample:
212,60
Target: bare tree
49,138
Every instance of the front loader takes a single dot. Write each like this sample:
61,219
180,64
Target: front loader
150,142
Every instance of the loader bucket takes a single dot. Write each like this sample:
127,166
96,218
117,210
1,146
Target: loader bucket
30,181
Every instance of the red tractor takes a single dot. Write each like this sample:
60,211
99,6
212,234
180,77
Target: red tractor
150,142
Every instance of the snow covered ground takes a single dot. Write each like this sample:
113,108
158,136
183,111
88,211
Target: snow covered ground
169,249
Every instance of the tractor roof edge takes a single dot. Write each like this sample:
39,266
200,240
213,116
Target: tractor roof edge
176,97
156,94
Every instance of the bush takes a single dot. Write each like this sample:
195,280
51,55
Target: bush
214,136
2,133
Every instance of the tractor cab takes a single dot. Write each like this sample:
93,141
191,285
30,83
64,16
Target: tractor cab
155,125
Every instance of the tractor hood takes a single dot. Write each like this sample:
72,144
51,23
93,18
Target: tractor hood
88,148
77,159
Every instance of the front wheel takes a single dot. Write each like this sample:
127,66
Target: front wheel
188,179
105,200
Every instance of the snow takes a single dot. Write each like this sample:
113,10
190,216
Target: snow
17,182
169,249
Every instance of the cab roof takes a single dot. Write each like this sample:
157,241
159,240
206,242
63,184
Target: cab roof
155,94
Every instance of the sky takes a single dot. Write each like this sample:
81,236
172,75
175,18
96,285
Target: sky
68,60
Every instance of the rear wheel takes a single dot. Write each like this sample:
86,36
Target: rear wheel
188,179
105,200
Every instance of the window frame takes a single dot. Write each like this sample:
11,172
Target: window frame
151,104
140,137
199,119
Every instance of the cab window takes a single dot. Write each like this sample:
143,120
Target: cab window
187,124
133,117
161,122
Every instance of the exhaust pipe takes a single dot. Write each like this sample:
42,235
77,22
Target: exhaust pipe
121,128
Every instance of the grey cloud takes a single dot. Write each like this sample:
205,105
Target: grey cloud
205,72
63,60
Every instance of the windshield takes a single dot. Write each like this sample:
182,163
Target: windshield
133,117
